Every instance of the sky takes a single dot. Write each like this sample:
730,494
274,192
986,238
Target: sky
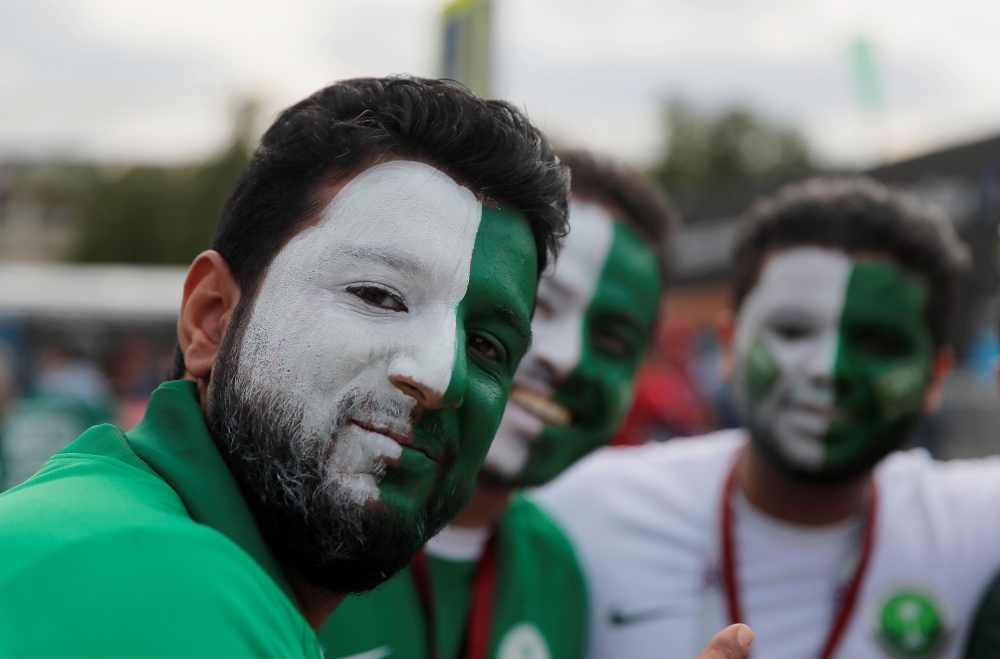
157,81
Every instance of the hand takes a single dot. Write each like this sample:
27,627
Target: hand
733,642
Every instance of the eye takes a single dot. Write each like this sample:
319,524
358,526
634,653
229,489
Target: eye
379,297
484,347
543,309
610,343
881,342
792,331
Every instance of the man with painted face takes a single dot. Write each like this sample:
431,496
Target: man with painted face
345,353
502,580
802,524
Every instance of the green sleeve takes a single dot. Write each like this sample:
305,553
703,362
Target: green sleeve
984,637
148,593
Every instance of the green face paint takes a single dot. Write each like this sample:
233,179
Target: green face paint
594,318
493,325
833,360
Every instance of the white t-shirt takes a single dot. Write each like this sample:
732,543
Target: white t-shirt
646,525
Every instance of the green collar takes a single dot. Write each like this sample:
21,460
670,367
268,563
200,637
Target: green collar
172,439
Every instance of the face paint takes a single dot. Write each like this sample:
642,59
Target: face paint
833,359
355,397
593,319
359,312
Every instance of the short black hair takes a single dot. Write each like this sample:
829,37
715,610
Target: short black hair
488,145
857,214
647,208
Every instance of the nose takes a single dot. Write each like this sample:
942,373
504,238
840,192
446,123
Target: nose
819,365
431,367
426,397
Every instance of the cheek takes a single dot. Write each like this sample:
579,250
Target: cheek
617,384
315,348
896,388
479,417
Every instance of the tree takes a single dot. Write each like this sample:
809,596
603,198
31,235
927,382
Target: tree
711,154
161,214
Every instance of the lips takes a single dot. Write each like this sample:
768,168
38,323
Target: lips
403,439
550,412
831,414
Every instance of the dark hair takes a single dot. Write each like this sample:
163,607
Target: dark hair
647,209
488,145
855,215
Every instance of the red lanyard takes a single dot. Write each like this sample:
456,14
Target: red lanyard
731,578
478,627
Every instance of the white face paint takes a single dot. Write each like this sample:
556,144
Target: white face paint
557,328
401,233
792,317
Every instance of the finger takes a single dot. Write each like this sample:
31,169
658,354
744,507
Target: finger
733,642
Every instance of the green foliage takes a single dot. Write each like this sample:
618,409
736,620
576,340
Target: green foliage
710,154
160,214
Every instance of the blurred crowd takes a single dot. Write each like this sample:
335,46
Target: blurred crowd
51,394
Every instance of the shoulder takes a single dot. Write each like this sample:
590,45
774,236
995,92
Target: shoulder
167,590
131,568
649,475
957,482
95,486
533,527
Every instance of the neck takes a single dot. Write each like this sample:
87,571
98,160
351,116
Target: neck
485,507
810,504
315,603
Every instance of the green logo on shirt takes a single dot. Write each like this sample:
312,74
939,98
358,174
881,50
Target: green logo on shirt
523,641
911,625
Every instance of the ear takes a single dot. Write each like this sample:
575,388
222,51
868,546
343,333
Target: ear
725,327
210,297
944,360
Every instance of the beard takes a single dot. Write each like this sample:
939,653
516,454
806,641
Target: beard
308,513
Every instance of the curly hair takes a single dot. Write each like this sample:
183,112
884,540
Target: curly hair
857,215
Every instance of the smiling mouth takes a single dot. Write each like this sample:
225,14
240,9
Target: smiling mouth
404,440
550,412
832,414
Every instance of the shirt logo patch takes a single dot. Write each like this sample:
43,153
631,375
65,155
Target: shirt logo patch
523,641
911,625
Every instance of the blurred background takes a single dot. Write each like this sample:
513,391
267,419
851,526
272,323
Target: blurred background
124,126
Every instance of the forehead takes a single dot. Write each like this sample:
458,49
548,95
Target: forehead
803,277
631,271
581,260
829,282
402,213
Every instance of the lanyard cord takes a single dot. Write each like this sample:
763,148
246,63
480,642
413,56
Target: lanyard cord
478,627
731,578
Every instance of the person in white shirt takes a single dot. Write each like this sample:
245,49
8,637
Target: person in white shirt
802,524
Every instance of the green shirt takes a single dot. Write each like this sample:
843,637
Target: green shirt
540,608
141,545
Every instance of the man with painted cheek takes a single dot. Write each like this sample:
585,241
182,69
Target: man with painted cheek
502,580
804,524
345,353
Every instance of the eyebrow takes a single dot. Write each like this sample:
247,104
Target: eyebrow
515,321
394,261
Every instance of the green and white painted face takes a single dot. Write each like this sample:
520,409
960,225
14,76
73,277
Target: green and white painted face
593,320
390,332
833,358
